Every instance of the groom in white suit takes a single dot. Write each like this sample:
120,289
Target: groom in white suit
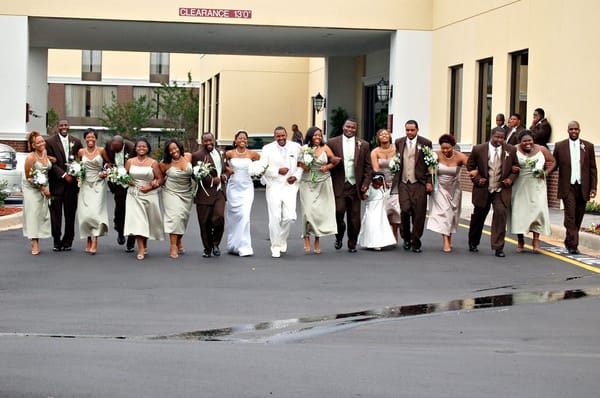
281,178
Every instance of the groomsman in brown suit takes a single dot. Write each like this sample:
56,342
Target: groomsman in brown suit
413,183
118,151
514,128
210,198
496,166
63,187
350,178
577,179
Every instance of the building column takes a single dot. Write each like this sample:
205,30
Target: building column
37,89
14,45
410,76
343,81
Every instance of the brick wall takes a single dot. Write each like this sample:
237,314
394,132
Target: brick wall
56,98
19,146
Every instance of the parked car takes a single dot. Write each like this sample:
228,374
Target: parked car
256,141
11,170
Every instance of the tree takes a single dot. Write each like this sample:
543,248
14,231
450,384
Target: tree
338,118
128,119
51,121
179,105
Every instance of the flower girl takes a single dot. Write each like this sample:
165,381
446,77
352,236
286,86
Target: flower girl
375,230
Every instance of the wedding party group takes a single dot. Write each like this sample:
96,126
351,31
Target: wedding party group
400,182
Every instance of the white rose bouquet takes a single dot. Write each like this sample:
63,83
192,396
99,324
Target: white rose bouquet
39,179
76,169
119,176
395,163
307,156
199,171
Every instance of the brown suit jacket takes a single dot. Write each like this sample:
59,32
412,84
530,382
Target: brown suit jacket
421,173
514,139
127,147
587,158
212,194
54,148
542,131
478,160
362,164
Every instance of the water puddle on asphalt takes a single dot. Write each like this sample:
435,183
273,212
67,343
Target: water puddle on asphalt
299,329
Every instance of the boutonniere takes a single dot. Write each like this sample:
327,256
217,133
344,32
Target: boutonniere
419,147
126,156
71,157
582,147
506,154
358,143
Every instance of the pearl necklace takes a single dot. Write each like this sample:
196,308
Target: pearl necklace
238,152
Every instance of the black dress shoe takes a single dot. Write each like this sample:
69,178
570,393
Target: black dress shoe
66,248
473,248
352,249
121,240
574,251
56,248
500,253
416,250
406,245
216,252
338,244
206,254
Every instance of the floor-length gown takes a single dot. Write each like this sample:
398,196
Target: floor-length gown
142,210
177,199
317,200
92,211
240,196
529,204
392,204
36,208
444,213
375,231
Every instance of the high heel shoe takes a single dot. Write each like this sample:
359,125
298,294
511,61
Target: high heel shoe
88,244
94,245
317,246
520,245
173,252
535,242
35,248
306,244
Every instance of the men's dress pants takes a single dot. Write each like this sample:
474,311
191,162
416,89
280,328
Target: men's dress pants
574,205
281,205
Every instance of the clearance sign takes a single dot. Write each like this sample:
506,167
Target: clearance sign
214,13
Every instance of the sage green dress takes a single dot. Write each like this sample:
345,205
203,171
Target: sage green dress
317,200
92,211
177,199
142,210
36,208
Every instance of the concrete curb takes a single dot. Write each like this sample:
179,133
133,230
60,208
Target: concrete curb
11,221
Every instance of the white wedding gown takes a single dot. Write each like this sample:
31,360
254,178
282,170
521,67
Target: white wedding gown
240,195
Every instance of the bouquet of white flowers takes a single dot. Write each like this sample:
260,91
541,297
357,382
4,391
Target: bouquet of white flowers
119,176
395,163
76,169
307,156
39,178
257,169
431,161
199,171
535,170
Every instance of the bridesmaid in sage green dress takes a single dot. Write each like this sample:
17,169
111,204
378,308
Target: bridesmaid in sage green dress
36,209
316,191
92,211
177,196
143,218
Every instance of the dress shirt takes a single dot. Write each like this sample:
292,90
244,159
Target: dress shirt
218,166
575,165
349,144
65,144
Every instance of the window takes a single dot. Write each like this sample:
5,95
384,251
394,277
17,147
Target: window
87,101
456,80
217,83
203,106
518,84
209,105
152,99
91,65
159,67
484,99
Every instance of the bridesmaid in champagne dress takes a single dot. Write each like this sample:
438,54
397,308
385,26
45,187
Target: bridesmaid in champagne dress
529,192
380,160
177,196
36,209
92,211
143,218
243,163
445,200
316,192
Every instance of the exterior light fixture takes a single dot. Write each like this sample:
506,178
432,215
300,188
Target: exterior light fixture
384,90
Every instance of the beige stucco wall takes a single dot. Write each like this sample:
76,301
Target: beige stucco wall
564,58
386,14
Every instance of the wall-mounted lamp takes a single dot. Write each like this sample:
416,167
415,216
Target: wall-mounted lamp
384,90
318,104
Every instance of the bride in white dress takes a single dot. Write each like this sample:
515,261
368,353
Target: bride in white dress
243,164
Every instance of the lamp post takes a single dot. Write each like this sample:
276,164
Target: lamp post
318,103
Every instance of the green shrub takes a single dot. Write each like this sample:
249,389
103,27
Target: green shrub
592,207
3,192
